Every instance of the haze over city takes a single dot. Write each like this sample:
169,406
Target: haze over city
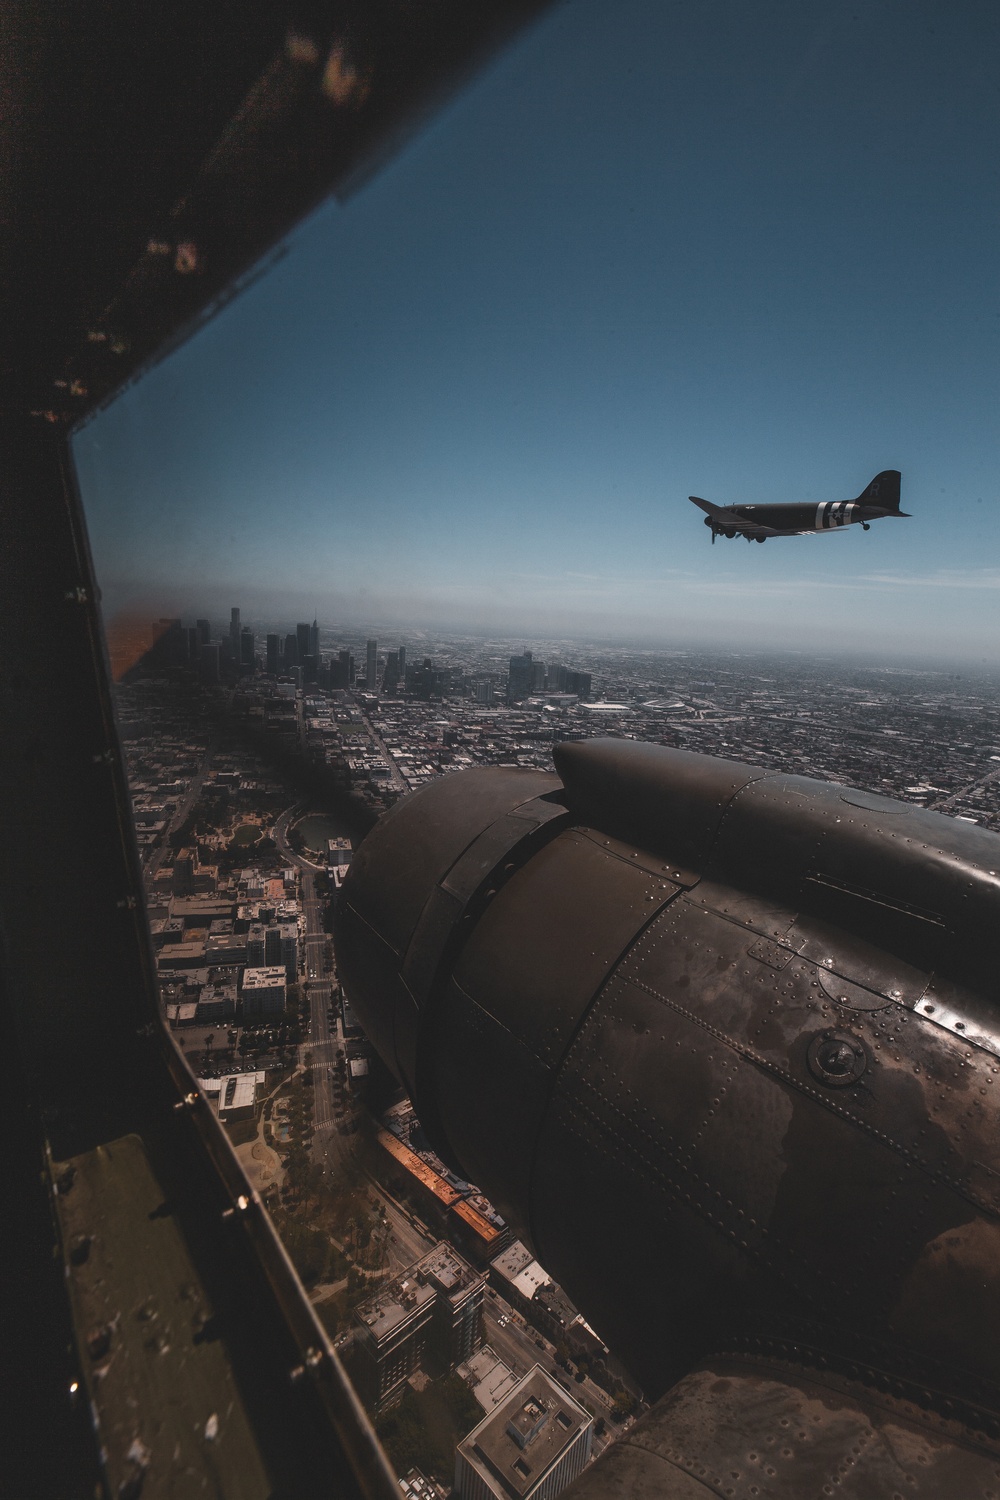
652,251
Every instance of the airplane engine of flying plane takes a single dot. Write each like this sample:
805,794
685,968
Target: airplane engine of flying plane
758,522
723,1046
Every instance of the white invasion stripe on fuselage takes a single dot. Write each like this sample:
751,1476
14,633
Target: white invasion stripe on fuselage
834,513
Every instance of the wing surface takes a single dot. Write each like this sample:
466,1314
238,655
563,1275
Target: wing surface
729,518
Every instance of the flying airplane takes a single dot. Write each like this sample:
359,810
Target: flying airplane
799,518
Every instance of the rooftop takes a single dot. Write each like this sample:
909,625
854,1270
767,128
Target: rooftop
525,1435
263,979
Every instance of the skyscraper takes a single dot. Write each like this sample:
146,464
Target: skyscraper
302,641
521,679
204,630
234,633
390,678
342,670
208,663
372,666
402,664
273,655
246,647
314,640
291,651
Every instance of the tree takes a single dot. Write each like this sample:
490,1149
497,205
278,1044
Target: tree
624,1405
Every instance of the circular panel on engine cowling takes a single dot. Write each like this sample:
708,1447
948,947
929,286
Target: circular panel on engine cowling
872,802
846,992
836,1059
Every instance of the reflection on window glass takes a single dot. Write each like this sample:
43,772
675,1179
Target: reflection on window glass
417,502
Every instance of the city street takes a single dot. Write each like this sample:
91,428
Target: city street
323,1048
517,1345
183,810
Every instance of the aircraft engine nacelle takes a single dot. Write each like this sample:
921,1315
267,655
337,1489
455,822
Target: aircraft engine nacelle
721,1043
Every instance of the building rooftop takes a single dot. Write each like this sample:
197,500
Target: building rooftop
525,1435
441,1271
395,1304
263,979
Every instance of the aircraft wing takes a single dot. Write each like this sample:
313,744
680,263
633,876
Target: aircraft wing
724,517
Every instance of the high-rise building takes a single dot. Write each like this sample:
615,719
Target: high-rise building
302,641
264,992
208,664
314,640
257,946
273,655
428,681
204,630
537,676
246,647
432,1313
291,651
372,666
272,946
234,633
290,949
390,678
566,680
402,664
533,1444
340,670
193,643
520,682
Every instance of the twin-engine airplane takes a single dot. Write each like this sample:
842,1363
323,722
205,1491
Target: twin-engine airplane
758,522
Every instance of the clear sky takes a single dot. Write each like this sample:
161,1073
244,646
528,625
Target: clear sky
742,250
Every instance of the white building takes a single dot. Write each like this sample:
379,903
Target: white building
530,1447
264,992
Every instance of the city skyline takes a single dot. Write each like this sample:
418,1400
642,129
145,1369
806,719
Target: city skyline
649,253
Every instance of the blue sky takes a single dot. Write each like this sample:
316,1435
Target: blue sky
746,251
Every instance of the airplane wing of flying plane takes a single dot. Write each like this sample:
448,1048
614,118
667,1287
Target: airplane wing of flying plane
802,518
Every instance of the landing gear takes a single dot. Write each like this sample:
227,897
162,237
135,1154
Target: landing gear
760,538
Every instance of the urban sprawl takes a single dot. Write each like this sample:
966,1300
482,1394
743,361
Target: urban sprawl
256,759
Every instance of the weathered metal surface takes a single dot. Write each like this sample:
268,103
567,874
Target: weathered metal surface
759,1432
736,1079
170,1415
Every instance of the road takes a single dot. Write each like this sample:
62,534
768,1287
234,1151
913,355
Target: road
517,1347
945,804
409,1240
322,1044
184,807
315,938
396,778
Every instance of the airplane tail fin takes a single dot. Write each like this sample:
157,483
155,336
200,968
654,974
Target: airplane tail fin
883,491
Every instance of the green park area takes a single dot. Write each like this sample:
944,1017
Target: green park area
247,833
424,1429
